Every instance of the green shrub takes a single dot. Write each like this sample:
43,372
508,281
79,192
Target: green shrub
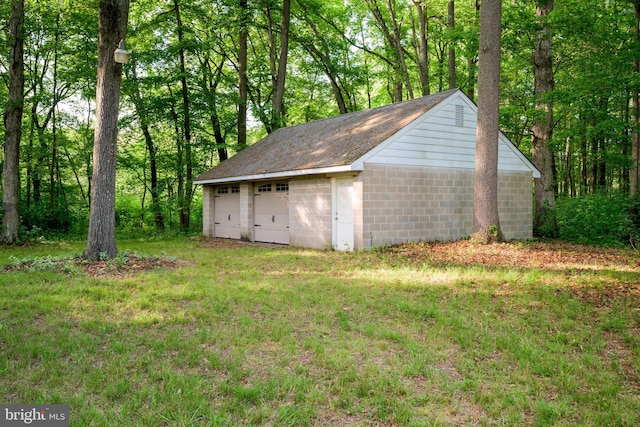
599,219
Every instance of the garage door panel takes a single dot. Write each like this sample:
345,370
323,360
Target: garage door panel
271,216
272,235
275,219
227,216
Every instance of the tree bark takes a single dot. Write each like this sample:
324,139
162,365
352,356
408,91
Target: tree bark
54,124
243,84
635,112
472,61
486,224
423,47
211,81
542,130
278,96
323,60
398,44
112,28
399,65
184,207
143,121
452,49
13,126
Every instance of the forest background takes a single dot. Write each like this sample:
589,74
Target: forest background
184,92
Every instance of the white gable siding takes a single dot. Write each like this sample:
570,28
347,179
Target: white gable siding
434,140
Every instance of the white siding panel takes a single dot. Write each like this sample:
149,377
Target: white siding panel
437,142
424,162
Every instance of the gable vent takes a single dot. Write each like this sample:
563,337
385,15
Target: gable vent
460,116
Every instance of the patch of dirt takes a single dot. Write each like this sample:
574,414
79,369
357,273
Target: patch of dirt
133,264
219,243
124,265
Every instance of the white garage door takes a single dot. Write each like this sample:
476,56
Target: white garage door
227,212
271,204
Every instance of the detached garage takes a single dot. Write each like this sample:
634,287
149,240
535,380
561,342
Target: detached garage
393,174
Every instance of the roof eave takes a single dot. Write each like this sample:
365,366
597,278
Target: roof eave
281,175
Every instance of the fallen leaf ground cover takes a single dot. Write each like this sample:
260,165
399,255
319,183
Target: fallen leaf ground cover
218,332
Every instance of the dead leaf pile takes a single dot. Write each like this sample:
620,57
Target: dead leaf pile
541,255
570,259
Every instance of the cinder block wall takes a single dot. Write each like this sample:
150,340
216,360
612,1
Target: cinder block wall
246,212
208,206
515,204
403,204
310,213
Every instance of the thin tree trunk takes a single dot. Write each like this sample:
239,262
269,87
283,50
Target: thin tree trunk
179,159
423,47
472,61
242,77
486,224
542,130
278,96
452,48
54,125
212,81
399,65
397,38
13,126
52,167
323,60
153,169
635,112
29,156
584,158
75,174
602,164
185,207
143,120
101,241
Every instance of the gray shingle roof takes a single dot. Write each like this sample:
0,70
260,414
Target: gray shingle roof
333,142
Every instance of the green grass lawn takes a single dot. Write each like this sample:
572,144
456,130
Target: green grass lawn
253,335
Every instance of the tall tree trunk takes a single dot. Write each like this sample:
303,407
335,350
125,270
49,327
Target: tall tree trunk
323,59
179,156
211,81
472,61
486,224
602,164
29,156
185,202
394,40
595,163
143,121
542,130
584,158
397,37
13,126
52,166
54,124
451,21
278,96
423,47
635,112
112,28
243,84
153,169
